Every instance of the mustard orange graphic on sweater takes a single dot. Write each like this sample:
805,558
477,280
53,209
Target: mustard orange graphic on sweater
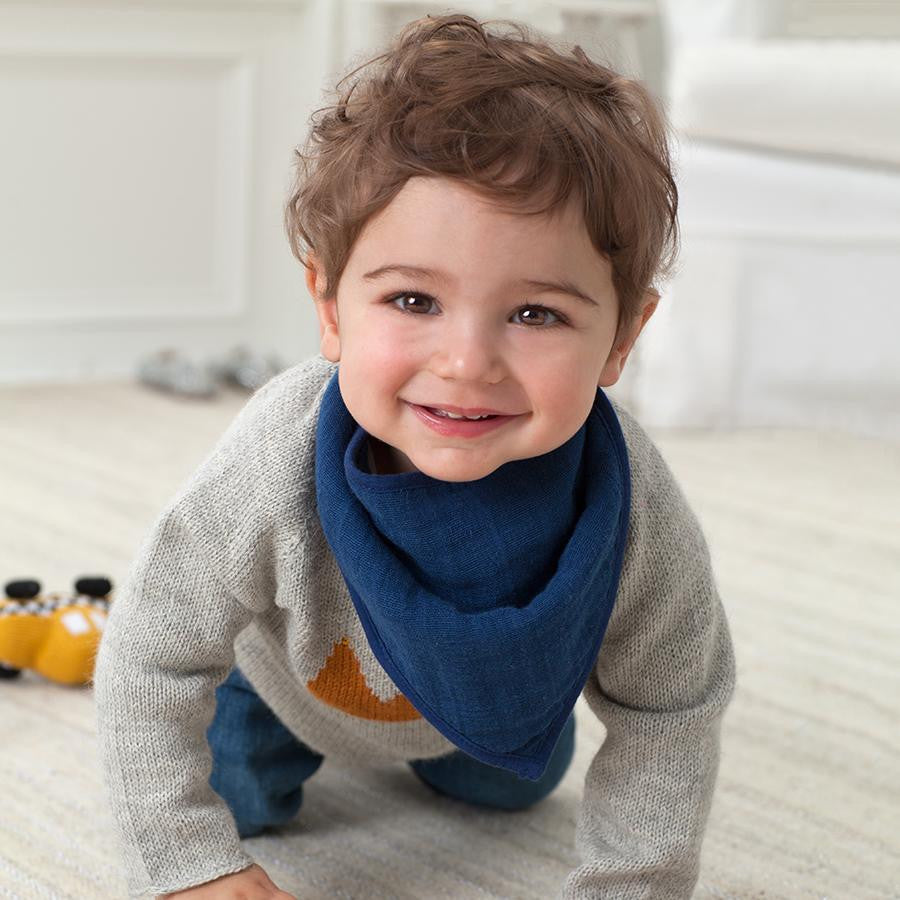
341,683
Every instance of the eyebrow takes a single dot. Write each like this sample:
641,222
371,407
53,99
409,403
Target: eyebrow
562,286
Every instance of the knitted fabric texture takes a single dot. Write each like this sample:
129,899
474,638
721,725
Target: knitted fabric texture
469,592
237,569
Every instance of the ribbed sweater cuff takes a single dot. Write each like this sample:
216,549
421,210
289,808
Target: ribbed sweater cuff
206,869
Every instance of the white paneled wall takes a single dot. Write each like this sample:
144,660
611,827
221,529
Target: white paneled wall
146,152
143,161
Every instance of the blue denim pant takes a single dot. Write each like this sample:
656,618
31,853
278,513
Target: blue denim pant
259,766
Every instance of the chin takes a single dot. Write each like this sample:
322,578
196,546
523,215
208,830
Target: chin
455,473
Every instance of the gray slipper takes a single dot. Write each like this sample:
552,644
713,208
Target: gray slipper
247,370
167,370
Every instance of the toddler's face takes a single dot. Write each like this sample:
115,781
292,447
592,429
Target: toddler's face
479,333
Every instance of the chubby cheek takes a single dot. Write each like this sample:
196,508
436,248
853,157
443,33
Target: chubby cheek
384,361
562,398
370,382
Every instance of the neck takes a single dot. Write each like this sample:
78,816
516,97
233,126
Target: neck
383,460
380,462
373,466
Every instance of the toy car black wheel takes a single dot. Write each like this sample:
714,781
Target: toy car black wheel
93,585
22,590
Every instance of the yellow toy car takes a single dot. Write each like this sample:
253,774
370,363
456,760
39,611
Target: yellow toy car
56,635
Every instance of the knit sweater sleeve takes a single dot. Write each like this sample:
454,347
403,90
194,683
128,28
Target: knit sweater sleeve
202,573
663,679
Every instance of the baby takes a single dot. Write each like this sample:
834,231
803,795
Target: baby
423,544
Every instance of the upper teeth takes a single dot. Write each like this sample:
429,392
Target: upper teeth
450,415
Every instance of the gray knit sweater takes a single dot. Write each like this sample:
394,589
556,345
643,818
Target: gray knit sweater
237,570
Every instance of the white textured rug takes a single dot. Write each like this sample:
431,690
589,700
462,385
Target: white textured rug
805,537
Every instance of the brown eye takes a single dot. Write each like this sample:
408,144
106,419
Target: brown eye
405,307
542,312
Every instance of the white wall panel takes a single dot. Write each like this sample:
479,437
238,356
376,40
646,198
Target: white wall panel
144,153
125,187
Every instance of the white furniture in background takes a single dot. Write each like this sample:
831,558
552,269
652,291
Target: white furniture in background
785,309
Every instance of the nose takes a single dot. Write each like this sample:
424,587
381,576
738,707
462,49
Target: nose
468,350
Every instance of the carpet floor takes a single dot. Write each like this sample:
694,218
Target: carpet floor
803,531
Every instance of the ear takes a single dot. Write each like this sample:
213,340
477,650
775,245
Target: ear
625,340
326,310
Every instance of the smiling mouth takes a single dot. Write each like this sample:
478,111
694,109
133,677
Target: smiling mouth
458,418
453,427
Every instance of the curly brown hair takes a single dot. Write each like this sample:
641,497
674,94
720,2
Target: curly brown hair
511,116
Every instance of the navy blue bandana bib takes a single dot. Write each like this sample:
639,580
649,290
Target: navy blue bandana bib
484,601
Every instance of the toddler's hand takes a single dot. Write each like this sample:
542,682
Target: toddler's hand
248,884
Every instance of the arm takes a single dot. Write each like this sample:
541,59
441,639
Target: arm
205,569
664,677
167,644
